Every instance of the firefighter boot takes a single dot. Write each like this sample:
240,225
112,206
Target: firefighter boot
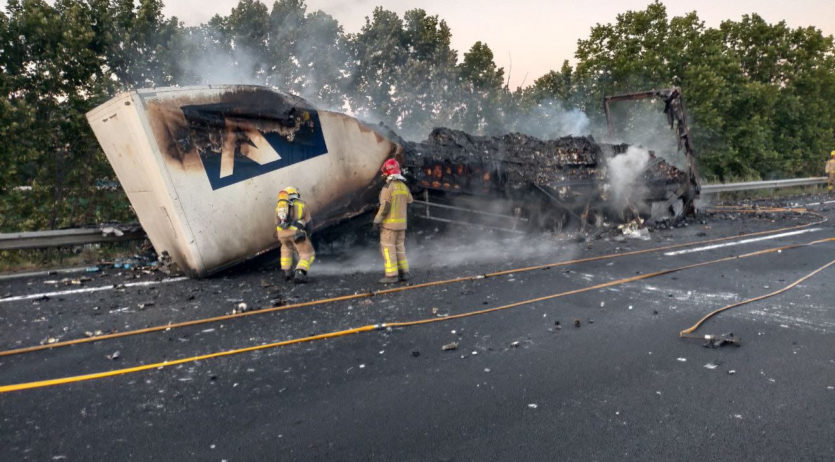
404,275
301,276
288,274
388,280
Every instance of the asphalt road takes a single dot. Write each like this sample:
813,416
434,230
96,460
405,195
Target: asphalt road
596,375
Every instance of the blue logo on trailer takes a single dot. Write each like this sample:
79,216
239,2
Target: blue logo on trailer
208,130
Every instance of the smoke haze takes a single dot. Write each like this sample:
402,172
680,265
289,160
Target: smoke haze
623,174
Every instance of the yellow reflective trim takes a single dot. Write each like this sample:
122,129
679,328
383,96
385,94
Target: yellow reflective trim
303,264
394,220
390,267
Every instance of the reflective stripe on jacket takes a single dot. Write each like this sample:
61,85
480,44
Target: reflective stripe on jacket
394,198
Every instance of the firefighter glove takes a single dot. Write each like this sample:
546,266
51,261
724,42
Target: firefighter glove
299,236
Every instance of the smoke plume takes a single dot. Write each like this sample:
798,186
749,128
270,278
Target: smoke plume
623,174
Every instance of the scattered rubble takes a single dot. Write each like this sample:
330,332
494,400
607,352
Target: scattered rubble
450,346
716,341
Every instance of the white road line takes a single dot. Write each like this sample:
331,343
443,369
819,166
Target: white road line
89,289
744,241
819,203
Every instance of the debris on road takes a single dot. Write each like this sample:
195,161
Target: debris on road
716,341
450,346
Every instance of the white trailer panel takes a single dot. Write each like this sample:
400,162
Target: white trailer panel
202,166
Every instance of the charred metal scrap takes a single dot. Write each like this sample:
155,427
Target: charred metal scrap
551,181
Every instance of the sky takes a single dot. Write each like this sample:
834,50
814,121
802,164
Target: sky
531,37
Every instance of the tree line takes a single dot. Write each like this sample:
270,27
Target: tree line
760,96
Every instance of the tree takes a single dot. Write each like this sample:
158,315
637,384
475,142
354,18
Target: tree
405,70
481,85
756,92
54,74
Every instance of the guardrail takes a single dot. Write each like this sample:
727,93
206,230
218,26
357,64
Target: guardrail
67,237
749,185
79,236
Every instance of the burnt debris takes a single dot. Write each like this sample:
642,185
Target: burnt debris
547,183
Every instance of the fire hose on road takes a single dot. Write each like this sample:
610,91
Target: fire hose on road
372,327
176,325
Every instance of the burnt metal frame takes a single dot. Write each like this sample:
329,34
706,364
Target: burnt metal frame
676,116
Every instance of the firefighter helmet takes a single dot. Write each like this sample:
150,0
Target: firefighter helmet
832,153
390,167
283,196
292,192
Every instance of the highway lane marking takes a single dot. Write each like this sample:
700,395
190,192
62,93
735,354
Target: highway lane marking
744,241
819,203
89,289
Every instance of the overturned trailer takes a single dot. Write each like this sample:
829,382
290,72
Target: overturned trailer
202,166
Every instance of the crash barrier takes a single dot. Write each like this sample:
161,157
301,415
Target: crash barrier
79,236
355,296
769,184
69,237
373,327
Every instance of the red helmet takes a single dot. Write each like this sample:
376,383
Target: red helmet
390,167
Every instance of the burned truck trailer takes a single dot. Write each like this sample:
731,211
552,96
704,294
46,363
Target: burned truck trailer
547,184
202,167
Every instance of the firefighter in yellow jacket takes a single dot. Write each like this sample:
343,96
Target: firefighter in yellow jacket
292,221
830,170
391,217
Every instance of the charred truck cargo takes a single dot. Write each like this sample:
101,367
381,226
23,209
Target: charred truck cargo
202,166
544,185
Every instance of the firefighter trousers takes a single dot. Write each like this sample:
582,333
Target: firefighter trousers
393,248
304,248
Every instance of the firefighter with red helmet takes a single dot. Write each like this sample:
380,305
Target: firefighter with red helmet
292,223
391,220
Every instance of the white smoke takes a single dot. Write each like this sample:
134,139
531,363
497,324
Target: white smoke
214,66
644,123
550,120
435,250
623,176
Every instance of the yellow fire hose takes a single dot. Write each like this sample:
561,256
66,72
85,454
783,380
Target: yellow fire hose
371,327
688,333
176,325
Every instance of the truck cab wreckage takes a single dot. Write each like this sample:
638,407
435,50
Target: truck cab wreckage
202,166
